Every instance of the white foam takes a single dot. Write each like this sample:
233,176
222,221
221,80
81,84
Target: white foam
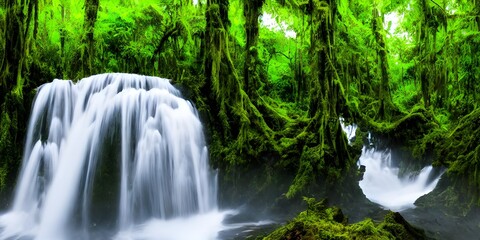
381,182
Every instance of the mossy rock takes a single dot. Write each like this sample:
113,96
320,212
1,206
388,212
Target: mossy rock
458,150
322,222
400,228
450,199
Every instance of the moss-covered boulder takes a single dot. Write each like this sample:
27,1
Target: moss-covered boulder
322,222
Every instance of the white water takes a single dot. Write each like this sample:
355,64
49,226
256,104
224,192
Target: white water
349,130
381,181
141,128
196,227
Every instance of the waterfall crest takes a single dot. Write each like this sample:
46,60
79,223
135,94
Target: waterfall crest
131,130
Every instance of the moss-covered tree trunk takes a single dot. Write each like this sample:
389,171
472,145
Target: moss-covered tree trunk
14,48
251,76
62,43
423,65
218,71
384,89
13,115
88,50
329,93
323,95
239,136
326,154
237,118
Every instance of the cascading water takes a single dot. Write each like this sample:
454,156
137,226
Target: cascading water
382,183
130,130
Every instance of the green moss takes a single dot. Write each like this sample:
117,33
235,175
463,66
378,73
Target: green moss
428,144
303,177
321,222
3,176
395,224
459,150
367,229
5,123
5,144
405,129
450,199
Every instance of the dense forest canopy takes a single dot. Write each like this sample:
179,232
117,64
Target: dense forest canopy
271,78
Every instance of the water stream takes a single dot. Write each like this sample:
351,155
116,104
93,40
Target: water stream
121,150
382,182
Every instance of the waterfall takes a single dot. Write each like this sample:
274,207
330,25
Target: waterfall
123,150
382,183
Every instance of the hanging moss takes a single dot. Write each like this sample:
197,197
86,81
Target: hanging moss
403,128
384,90
461,152
5,144
12,132
458,192
309,164
252,73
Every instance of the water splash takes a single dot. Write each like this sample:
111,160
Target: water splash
381,181
349,130
150,139
382,184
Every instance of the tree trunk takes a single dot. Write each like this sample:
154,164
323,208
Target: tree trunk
384,90
251,76
62,43
325,155
424,53
238,119
323,98
14,47
221,81
13,114
88,53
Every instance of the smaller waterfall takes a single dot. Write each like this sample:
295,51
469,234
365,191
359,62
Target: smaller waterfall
382,184
381,181
349,130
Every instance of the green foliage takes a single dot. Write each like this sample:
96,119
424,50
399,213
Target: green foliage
322,222
5,144
12,125
406,97
460,150
306,171
237,31
2,23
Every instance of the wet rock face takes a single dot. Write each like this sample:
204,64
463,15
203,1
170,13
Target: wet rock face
400,228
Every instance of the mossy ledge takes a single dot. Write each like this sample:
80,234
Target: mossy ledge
322,222
458,192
